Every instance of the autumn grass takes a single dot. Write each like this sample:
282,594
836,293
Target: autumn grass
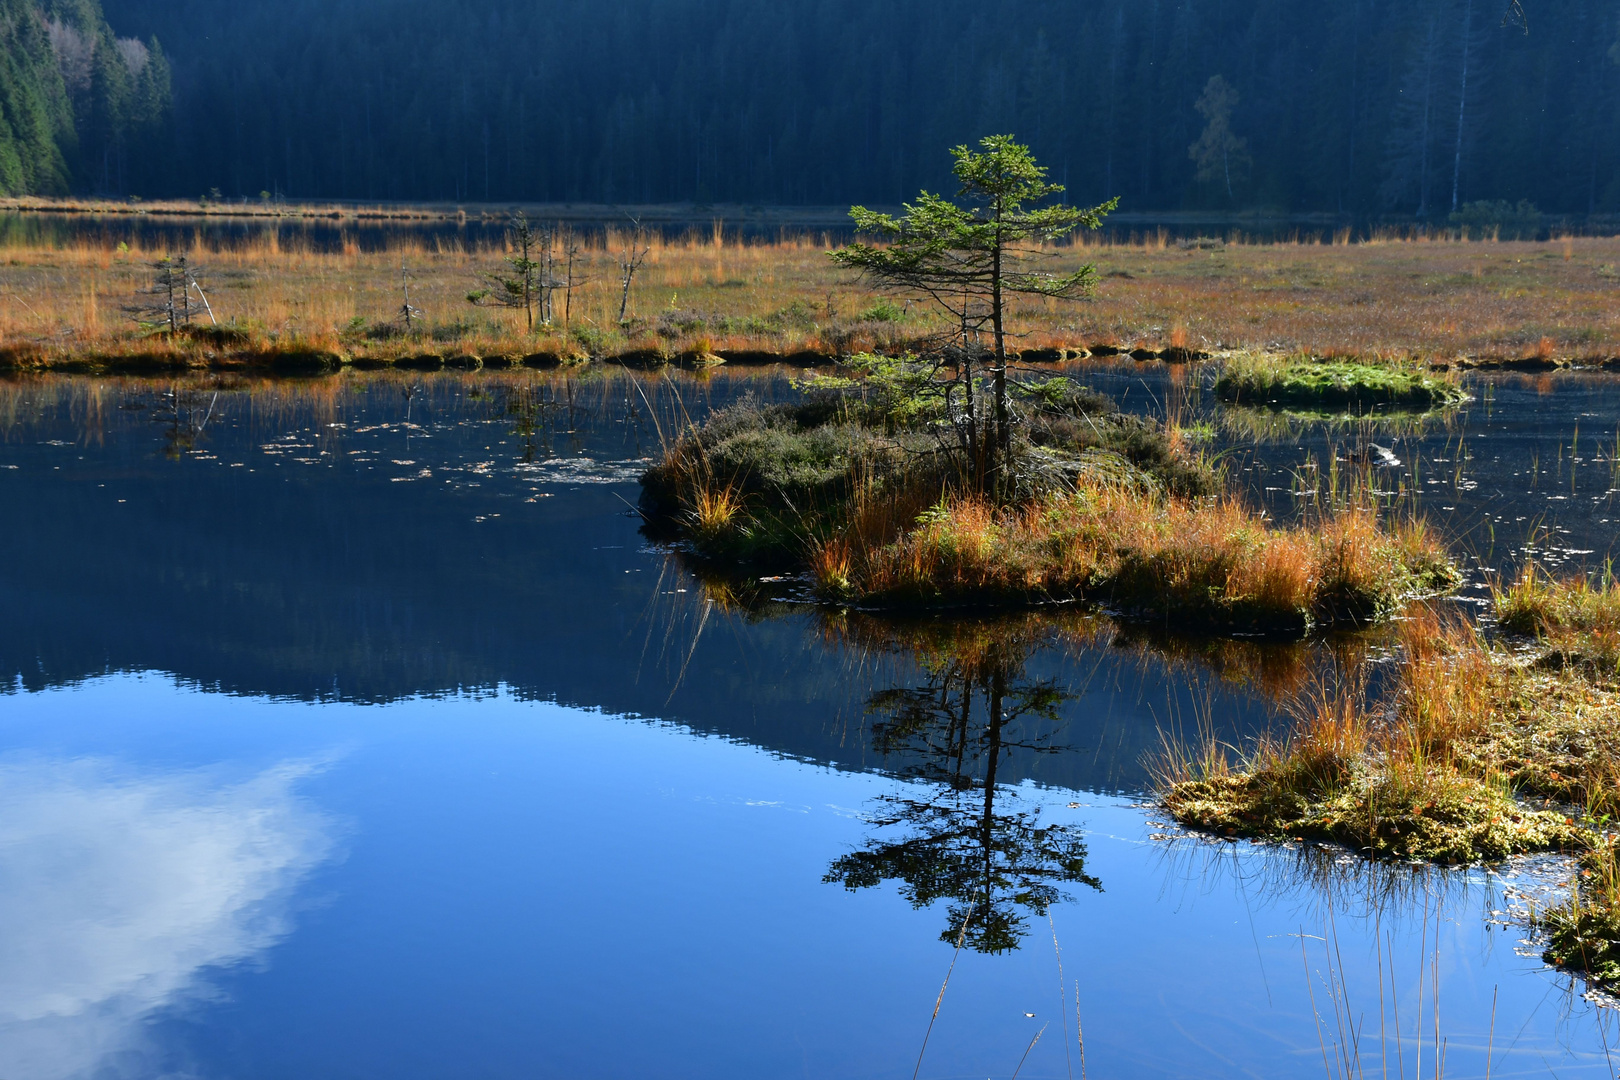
1199,564
710,292
1264,379
1108,509
1419,772
1576,619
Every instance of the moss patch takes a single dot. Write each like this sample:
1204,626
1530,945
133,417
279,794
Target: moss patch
1303,381
1456,820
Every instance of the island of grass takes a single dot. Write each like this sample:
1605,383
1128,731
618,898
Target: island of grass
945,477
869,488
1305,381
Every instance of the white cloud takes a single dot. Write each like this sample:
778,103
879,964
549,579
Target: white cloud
119,889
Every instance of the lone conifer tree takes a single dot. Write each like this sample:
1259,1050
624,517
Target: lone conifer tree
971,258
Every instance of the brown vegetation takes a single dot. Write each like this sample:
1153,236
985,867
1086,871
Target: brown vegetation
1201,563
710,294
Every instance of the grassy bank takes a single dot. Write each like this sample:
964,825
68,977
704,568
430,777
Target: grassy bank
710,293
1475,750
1266,379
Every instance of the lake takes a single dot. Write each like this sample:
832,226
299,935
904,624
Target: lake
354,728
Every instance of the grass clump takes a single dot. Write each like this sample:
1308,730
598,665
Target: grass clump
1208,564
1473,752
1408,776
1303,380
1576,619
1583,932
757,483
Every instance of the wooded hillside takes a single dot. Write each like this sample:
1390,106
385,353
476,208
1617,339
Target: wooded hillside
80,107
1361,107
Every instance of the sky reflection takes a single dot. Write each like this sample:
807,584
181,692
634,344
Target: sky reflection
120,888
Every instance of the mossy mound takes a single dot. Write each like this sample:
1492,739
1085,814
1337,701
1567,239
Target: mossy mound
766,482
1451,819
1584,939
756,482
1302,381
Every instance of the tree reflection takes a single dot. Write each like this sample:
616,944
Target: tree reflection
953,834
184,413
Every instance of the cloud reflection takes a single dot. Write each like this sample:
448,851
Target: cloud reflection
118,889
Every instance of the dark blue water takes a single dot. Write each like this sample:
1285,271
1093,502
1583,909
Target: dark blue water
354,729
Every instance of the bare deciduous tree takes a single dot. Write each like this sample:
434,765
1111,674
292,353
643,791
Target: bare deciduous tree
630,259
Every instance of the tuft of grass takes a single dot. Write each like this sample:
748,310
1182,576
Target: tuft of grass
1408,776
1206,564
1583,933
1303,380
1577,619
1470,754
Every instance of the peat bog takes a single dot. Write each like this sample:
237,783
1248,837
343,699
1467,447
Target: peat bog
448,566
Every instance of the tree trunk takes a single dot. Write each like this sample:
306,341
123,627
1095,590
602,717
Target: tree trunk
1462,106
996,691
1003,420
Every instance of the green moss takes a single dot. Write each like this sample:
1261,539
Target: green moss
792,469
1584,939
1303,381
1450,818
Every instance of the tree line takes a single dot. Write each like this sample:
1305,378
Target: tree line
1362,108
80,107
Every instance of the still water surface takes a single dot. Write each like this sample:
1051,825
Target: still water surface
353,729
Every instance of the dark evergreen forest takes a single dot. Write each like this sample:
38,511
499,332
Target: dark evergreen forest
1355,107
79,106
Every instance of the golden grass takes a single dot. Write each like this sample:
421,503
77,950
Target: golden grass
1426,771
1210,563
1425,298
1578,618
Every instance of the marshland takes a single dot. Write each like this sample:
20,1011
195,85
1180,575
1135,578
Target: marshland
375,580
716,288
632,539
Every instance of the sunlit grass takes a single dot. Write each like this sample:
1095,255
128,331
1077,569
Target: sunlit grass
709,292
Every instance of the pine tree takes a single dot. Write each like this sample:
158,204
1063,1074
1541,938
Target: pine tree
970,259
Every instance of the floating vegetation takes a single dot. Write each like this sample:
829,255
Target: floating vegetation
1267,379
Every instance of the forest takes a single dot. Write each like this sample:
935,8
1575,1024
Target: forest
80,107
1362,109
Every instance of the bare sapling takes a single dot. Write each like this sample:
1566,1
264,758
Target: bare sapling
630,259
532,280
193,283
571,248
407,313
165,303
